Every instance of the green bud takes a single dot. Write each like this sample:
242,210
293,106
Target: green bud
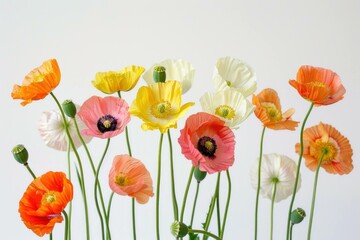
179,229
199,175
69,108
159,74
20,154
297,216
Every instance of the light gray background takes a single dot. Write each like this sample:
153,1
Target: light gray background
274,37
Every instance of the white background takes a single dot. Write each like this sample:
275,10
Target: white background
274,37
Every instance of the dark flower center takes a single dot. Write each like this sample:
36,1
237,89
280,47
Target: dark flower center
106,123
207,146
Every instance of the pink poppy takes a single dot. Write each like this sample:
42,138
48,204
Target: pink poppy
207,142
105,117
129,177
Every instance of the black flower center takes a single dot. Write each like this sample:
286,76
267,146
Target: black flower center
106,123
207,146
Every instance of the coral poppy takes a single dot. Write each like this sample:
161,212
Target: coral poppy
229,105
268,111
279,169
159,105
324,141
105,117
233,73
318,85
44,200
38,83
207,142
129,177
179,70
124,80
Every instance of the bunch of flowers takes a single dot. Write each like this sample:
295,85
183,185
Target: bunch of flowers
207,140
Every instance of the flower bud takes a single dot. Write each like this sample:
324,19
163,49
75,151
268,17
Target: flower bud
179,229
20,154
69,108
297,216
199,175
159,74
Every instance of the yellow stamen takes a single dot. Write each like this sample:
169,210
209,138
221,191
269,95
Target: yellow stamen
209,145
107,123
325,149
228,83
317,84
49,197
161,110
121,180
273,113
225,111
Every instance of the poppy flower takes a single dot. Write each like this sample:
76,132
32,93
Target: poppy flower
207,142
232,73
129,177
318,85
44,200
105,117
159,105
324,141
112,82
38,83
229,105
176,69
275,169
268,111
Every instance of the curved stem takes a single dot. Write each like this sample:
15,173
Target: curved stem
173,191
227,204
258,183
314,196
205,233
272,210
194,205
186,193
68,233
109,206
30,171
298,169
158,187
133,218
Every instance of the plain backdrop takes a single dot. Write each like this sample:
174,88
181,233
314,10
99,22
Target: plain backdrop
274,37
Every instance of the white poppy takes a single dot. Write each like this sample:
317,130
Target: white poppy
52,130
229,105
275,168
233,73
179,70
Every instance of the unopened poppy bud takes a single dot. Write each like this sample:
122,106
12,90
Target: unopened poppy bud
199,175
159,74
297,216
20,154
69,108
179,229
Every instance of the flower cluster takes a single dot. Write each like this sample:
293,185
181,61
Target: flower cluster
207,139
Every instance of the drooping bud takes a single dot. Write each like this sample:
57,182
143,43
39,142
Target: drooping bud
297,216
159,74
20,154
179,229
69,108
199,175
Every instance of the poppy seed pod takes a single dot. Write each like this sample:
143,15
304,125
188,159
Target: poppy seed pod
20,154
159,74
179,229
297,216
69,108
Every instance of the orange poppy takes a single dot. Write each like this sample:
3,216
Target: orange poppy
318,85
38,83
44,200
324,141
268,111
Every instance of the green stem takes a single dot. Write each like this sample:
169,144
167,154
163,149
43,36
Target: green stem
258,183
218,211
133,218
30,171
70,204
173,191
186,193
291,230
50,236
205,233
314,196
194,205
227,203
158,187
109,206
298,169
272,210
83,189
66,235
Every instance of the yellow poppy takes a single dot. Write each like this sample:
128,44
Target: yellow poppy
159,106
124,80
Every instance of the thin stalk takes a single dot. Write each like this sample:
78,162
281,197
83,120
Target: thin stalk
291,230
218,211
204,233
50,236
298,169
173,191
194,205
227,204
272,211
258,183
30,171
133,218
158,187
68,233
186,193
314,196
109,206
